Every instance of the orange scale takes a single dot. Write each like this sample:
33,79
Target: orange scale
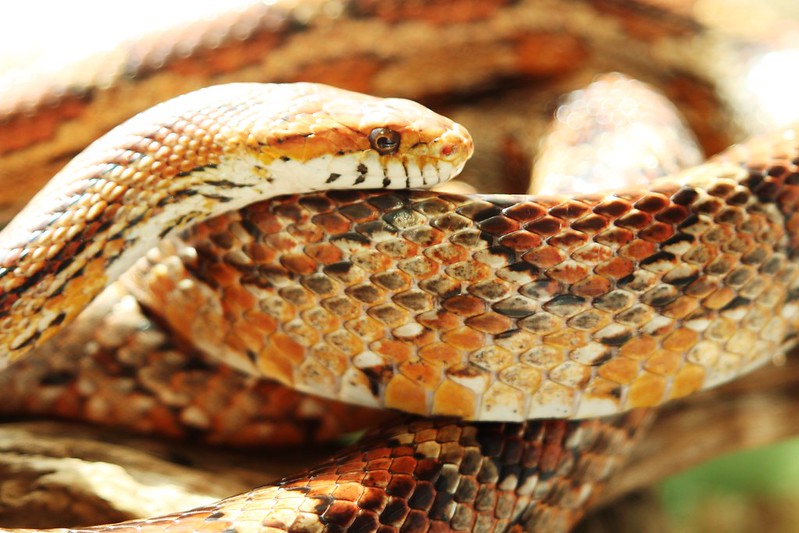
491,323
258,252
681,340
652,203
405,464
389,314
635,220
273,364
568,239
347,491
592,253
252,337
299,331
451,399
439,320
331,358
570,210
620,370
498,225
372,261
262,321
366,328
439,353
521,240
702,287
392,280
394,351
545,226
591,224
591,287
331,223
398,248
616,268
566,338
689,379
426,375
282,242
719,298
324,253
646,391
663,362
525,211
602,389
523,377
406,394
465,338
426,438
237,299
464,305
305,233
288,347
638,249
224,275
321,320
614,237
639,348
346,342
545,256
342,306
657,232
299,263
673,214
234,342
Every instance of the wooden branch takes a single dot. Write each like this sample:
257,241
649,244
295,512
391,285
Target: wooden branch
59,474
55,474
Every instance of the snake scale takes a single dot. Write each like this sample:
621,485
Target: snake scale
495,308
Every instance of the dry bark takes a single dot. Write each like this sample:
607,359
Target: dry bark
54,473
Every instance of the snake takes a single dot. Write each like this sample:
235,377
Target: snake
648,294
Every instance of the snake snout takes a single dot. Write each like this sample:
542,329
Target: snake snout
452,149
456,144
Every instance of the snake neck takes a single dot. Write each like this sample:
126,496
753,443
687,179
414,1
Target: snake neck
194,157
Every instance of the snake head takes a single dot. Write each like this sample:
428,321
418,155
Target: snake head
350,140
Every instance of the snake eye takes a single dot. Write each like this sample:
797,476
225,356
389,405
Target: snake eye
384,140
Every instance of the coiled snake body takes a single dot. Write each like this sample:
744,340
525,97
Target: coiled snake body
486,308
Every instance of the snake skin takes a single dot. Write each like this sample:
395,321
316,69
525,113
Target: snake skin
117,366
503,307
544,487
430,475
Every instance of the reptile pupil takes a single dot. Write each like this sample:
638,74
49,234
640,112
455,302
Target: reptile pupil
384,140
